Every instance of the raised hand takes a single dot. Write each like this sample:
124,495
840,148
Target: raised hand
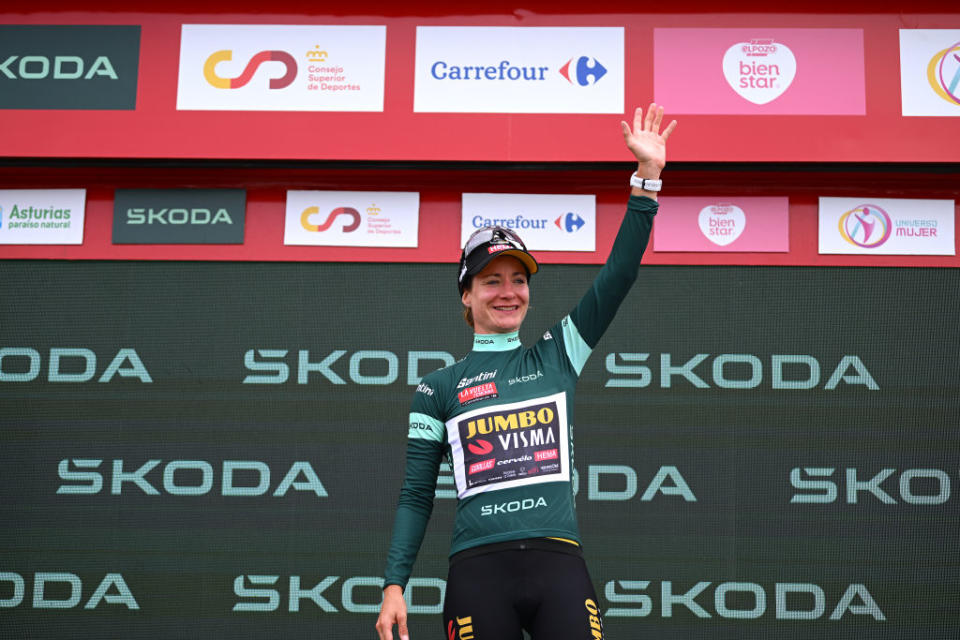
645,141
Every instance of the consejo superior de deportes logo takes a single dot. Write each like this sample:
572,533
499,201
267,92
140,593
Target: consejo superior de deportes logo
943,73
351,218
866,225
226,55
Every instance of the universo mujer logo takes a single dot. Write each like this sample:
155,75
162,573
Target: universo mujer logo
866,225
943,73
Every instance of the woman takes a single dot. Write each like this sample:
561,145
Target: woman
503,415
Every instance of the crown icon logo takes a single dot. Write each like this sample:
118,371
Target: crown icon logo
373,210
317,55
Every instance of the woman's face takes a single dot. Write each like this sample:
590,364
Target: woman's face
498,296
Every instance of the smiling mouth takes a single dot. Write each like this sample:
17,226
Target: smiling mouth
510,308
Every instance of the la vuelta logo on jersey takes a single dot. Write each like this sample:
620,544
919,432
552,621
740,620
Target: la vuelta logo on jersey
481,391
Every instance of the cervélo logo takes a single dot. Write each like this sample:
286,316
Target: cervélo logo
69,66
179,216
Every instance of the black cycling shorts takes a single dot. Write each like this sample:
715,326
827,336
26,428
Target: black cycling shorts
540,585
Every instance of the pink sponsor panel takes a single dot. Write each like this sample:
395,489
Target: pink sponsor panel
751,224
760,71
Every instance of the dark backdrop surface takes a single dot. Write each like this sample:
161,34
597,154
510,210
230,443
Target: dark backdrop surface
215,450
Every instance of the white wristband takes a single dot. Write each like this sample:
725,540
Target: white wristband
646,184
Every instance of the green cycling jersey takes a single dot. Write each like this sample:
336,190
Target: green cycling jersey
503,416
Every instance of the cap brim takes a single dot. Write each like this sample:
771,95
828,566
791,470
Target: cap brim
522,256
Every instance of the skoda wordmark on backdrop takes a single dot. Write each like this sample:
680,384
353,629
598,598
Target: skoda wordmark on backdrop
69,66
179,216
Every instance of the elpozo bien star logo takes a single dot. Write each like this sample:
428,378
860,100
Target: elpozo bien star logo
69,66
179,216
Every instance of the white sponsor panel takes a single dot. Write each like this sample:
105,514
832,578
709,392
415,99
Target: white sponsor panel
545,222
930,72
519,70
352,218
887,226
42,216
281,67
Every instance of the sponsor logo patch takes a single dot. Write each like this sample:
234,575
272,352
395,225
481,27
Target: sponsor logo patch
474,394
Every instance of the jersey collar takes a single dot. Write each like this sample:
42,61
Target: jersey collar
496,341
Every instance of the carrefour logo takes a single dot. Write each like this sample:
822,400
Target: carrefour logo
569,222
586,71
866,226
943,73
583,71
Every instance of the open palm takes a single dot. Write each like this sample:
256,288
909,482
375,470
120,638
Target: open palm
645,141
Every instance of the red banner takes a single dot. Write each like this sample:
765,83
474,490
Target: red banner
808,87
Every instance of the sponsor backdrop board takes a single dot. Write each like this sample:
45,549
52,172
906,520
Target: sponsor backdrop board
760,453
69,66
352,218
545,222
760,71
179,216
930,72
281,68
519,70
42,216
722,224
892,226
416,83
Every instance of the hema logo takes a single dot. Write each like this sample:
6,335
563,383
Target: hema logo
179,216
69,66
